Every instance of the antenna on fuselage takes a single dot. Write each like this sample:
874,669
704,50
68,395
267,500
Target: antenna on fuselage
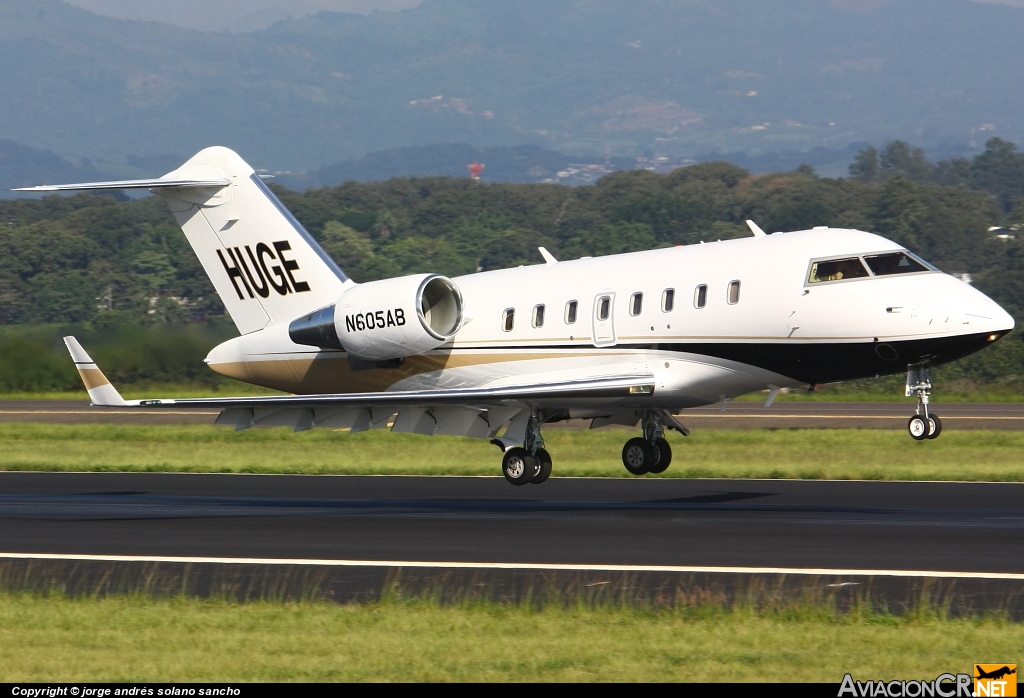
758,233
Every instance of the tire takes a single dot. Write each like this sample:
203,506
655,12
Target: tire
665,460
543,470
518,466
918,428
638,456
934,426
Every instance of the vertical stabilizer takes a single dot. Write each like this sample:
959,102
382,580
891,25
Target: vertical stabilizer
266,268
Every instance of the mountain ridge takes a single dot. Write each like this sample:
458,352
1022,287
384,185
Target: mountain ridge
676,77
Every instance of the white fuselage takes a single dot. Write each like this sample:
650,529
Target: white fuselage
782,331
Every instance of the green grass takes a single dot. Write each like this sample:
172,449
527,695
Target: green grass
145,639
760,453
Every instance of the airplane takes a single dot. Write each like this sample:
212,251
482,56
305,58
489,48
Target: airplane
994,674
629,339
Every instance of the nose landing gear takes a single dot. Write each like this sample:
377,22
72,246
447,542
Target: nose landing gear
924,424
651,453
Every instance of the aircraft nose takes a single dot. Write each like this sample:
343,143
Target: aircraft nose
989,315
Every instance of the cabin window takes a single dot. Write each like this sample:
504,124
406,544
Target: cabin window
668,300
538,315
894,263
604,307
837,270
734,292
636,304
570,312
700,296
508,319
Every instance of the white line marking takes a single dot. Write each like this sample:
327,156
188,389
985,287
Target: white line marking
518,566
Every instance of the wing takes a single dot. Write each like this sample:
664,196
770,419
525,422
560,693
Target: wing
476,412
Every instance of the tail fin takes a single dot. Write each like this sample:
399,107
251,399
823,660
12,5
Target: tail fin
101,392
266,268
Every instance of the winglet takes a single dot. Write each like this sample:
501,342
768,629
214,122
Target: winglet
101,392
548,257
755,229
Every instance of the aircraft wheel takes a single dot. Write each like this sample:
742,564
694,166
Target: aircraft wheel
543,469
518,466
665,459
639,456
918,428
934,426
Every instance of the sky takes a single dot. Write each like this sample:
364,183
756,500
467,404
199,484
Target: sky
231,15
250,15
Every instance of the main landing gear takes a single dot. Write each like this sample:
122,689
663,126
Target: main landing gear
529,463
924,424
650,453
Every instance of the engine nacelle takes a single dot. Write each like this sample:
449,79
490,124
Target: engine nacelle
387,319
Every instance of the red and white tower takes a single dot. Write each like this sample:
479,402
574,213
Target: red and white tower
474,171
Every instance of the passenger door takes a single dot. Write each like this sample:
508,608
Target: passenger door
603,318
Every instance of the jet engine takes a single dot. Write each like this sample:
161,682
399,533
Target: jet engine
387,319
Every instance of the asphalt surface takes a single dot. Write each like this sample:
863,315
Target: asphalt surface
737,415
967,527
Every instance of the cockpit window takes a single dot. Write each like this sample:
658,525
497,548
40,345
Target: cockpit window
894,263
836,270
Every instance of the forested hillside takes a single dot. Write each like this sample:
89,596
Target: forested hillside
680,77
103,263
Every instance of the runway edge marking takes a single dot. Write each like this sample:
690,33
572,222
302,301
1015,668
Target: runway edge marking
808,571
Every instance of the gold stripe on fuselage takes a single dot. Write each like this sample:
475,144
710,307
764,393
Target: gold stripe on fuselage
331,373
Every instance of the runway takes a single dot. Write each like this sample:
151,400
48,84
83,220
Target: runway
737,524
737,415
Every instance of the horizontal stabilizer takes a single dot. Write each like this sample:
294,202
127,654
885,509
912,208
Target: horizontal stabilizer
133,184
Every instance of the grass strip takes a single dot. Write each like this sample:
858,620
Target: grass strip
760,453
144,639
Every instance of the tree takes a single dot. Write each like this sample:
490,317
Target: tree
999,171
865,166
898,159
351,249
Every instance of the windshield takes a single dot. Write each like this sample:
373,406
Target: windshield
837,270
894,263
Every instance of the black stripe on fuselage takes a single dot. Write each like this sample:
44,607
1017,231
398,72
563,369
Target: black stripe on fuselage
827,362
809,362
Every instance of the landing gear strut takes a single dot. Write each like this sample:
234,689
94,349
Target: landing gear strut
924,424
529,463
651,453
